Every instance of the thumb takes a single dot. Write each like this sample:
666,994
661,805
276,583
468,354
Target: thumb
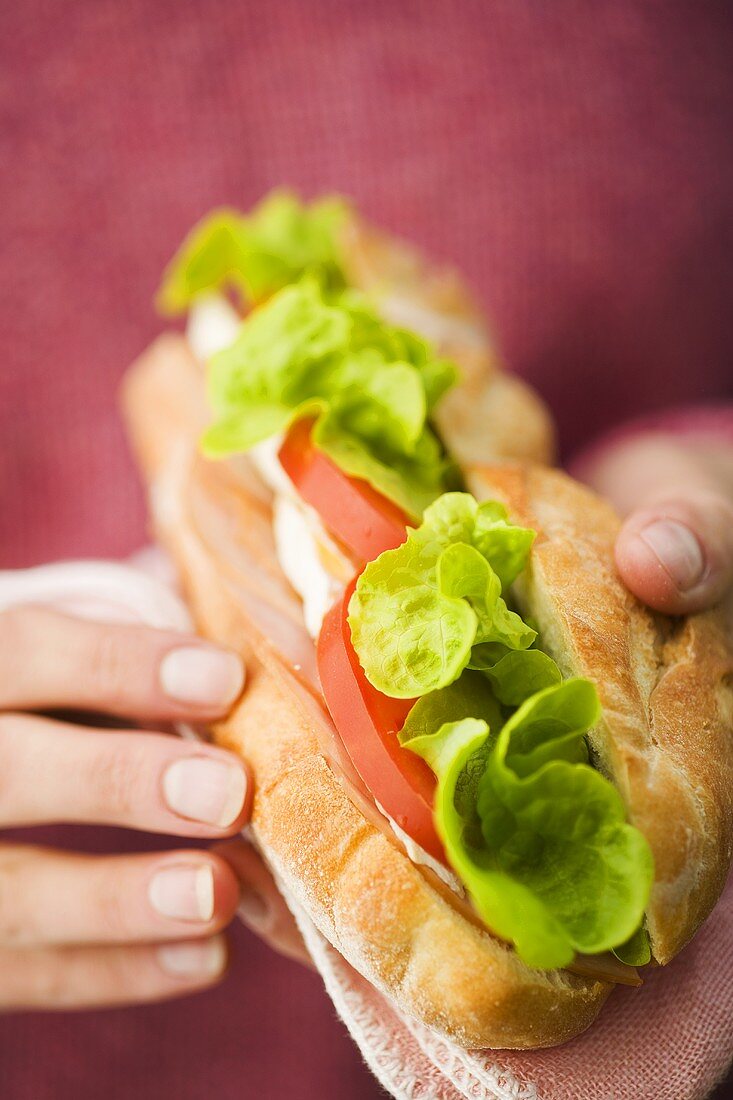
675,548
676,553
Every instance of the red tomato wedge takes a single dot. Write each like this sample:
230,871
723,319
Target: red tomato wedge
365,521
368,723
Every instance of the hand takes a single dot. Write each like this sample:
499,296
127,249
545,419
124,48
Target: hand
79,930
675,549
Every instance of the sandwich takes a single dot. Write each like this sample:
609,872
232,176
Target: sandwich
495,782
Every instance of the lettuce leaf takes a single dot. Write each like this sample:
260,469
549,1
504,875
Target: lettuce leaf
370,388
258,254
418,611
537,836
468,697
288,238
520,673
212,255
637,951
411,480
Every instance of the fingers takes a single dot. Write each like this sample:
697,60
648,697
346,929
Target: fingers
89,977
675,549
50,898
54,660
261,906
676,554
54,772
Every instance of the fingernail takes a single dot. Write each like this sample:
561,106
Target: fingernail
253,910
677,551
202,676
183,892
206,790
200,958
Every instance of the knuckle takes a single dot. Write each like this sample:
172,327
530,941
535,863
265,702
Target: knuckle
130,974
112,913
48,979
116,974
114,781
14,925
111,663
64,978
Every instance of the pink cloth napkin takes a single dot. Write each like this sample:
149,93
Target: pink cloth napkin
671,1040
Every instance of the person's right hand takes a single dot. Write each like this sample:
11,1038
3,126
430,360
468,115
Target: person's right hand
80,930
675,548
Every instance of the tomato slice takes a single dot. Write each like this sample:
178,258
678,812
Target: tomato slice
365,521
368,723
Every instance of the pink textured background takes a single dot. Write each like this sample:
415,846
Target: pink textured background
573,157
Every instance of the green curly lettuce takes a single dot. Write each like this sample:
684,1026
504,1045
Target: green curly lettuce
518,673
467,697
370,388
537,836
637,951
257,254
421,612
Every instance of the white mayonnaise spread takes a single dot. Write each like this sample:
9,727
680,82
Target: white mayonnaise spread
264,458
304,548
213,324
419,855
299,541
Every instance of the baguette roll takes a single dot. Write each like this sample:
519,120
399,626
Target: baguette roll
382,912
665,737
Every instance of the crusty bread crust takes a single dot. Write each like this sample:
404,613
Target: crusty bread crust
666,737
490,415
363,893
